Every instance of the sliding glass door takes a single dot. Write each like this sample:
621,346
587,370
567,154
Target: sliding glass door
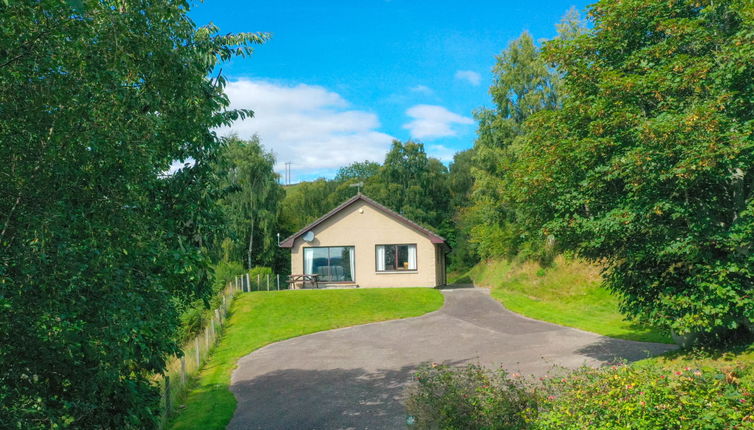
332,264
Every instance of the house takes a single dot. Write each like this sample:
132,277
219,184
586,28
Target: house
363,243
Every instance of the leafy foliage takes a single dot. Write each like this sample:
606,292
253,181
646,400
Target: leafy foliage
523,85
470,397
414,185
647,166
99,248
460,184
359,170
640,396
649,397
251,201
307,201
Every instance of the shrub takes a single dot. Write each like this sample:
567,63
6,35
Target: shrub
649,397
262,273
470,397
197,315
226,271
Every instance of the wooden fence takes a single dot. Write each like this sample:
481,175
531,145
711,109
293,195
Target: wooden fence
180,370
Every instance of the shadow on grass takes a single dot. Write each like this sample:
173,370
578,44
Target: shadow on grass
642,333
609,350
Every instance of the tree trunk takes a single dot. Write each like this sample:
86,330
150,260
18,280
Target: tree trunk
251,242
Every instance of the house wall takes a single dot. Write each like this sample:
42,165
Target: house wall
362,226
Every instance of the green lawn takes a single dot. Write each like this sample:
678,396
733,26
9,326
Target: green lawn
261,318
568,293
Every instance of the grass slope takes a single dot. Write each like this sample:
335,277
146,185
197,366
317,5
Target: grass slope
261,318
568,293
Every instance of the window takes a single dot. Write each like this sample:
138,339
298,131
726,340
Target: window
392,258
332,264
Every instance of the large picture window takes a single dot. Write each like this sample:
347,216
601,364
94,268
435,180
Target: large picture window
392,258
332,264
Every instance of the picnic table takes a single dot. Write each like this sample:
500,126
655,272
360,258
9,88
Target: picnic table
294,280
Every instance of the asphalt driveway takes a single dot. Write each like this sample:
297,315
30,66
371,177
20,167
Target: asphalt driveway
354,378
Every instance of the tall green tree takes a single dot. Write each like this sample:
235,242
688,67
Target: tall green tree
461,184
647,168
252,200
99,246
523,85
415,185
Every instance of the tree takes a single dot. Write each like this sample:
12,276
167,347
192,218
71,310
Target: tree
523,85
571,25
307,201
414,185
460,184
99,245
252,200
360,170
647,168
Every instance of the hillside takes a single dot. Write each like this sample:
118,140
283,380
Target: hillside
569,293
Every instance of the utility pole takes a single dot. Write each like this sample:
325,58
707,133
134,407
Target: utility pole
288,173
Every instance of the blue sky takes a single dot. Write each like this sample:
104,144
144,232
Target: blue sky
340,79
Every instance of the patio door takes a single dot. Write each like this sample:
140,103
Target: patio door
331,263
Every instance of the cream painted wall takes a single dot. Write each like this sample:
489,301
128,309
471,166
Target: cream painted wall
362,226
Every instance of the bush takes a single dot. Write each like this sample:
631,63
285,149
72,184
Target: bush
649,397
226,271
643,397
470,397
197,315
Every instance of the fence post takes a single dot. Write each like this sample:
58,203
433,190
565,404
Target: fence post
225,304
268,282
183,370
167,395
198,358
206,338
278,276
217,315
259,284
212,324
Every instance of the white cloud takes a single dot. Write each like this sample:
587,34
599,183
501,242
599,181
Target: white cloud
469,76
307,125
433,121
441,152
422,89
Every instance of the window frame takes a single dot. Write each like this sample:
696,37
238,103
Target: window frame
353,274
396,245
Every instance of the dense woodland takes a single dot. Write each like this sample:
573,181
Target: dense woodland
627,140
